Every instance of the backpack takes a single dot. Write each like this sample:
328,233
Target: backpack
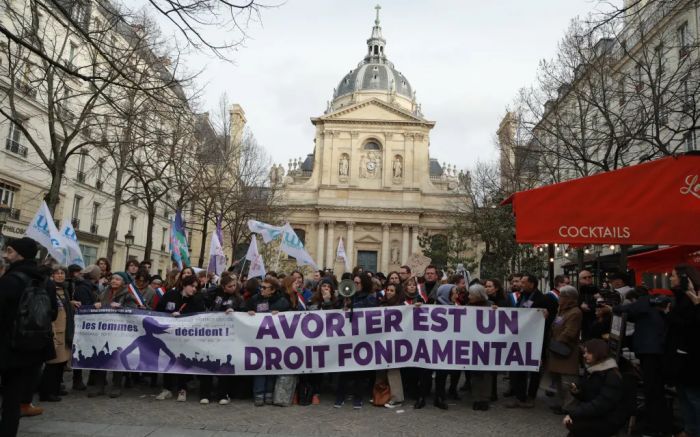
32,329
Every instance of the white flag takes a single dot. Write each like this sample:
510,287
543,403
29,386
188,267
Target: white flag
73,255
292,246
43,230
257,267
217,257
267,231
341,254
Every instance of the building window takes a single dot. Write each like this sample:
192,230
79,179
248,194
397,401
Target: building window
99,183
163,239
7,194
372,145
690,140
89,254
81,166
79,12
93,217
76,211
683,40
132,223
14,141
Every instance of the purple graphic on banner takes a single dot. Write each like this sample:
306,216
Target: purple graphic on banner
148,348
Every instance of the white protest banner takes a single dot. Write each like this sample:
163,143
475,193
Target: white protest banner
267,231
43,230
429,336
73,252
292,246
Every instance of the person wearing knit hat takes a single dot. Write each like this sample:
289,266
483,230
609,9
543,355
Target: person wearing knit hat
20,365
25,247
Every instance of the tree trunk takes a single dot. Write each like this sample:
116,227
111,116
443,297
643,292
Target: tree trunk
115,216
203,245
151,219
53,196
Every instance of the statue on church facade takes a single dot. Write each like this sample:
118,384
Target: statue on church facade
344,165
397,167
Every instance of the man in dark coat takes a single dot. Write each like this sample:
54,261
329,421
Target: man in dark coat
19,368
532,297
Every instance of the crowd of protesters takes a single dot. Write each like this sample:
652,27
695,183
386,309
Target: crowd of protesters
592,388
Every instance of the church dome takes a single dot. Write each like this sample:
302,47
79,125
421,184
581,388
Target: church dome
375,72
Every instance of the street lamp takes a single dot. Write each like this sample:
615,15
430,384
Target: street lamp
128,242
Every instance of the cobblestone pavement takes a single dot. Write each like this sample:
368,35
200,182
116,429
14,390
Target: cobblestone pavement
137,414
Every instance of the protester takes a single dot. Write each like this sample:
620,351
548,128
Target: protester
86,293
270,299
682,345
603,322
143,287
404,273
480,381
531,297
189,301
131,268
63,328
431,283
116,296
648,344
563,354
299,285
587,292
392,377
496,293
600,411
364,297
19,365
105,272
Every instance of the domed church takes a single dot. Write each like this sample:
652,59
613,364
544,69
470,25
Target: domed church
370,178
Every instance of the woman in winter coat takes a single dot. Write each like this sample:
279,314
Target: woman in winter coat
323,298
270,299
480,381
63,329
600,411
683,345
563,362
115,296
364,297
179,301
393,296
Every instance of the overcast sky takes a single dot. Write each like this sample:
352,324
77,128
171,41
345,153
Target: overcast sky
465,59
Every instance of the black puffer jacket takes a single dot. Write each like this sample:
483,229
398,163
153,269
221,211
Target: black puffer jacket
276,302
173,301
683,345
11,288
86,292
600,395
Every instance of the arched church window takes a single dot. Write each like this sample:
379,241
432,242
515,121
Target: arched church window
372,145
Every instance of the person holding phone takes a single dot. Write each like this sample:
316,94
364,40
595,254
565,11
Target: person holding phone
600,411
683,347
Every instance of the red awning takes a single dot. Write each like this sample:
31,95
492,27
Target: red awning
657,202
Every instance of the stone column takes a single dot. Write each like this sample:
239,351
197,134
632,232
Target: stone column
350,244
319,242
384,266
417,230
330,246
405,243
